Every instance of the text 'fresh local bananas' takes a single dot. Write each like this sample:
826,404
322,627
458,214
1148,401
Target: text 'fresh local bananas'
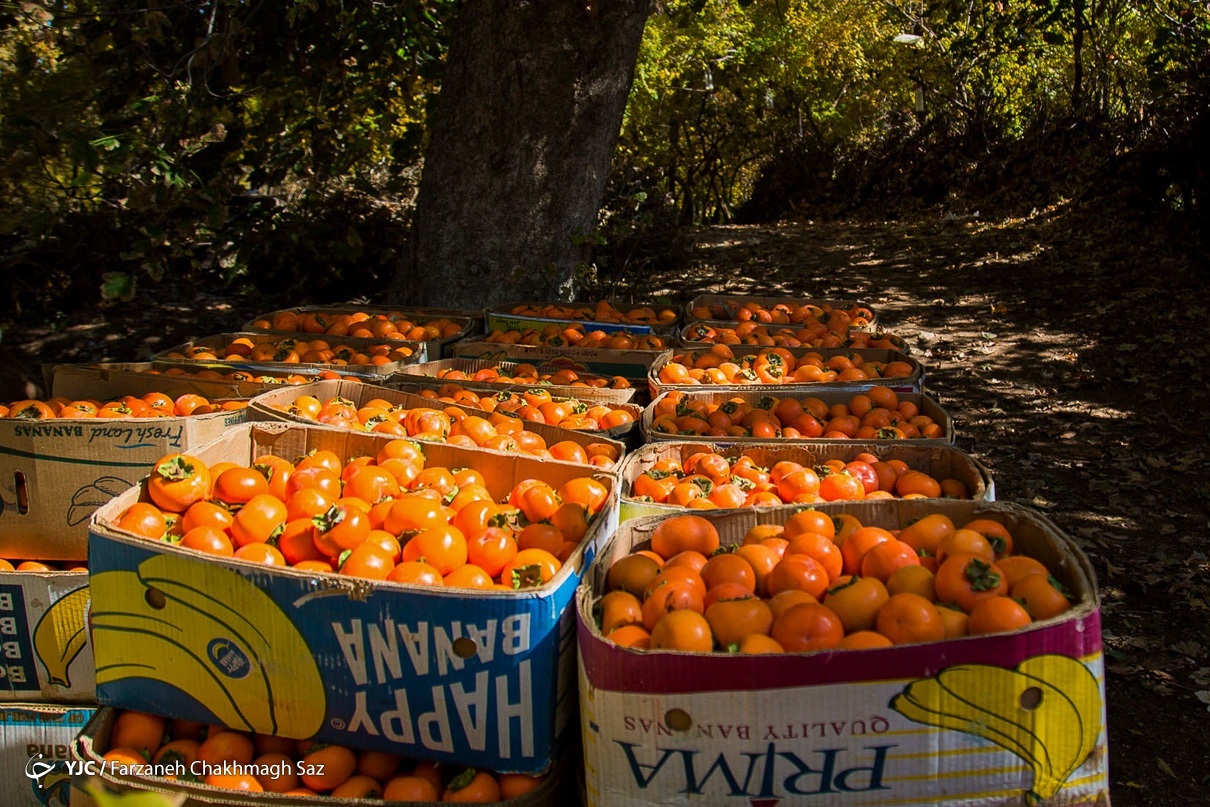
1047,711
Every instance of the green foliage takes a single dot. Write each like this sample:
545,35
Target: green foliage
136,133
793,99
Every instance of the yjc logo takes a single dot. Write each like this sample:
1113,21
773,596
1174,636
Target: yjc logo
35,769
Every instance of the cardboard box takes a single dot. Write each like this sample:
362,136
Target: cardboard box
471,677
426,374
728,304
114,380
928,406
941,462
629,433
629,364
89,747
503,319
55,473
840,727
220,341
910,383
471,321
262,408
44,643
35,746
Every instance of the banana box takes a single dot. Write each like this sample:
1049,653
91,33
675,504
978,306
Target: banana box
633,365
90,775
55,473
1010,719
274,405
941,462
45,653
35,749
472,678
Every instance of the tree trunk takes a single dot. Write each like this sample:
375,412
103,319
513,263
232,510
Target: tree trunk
520,144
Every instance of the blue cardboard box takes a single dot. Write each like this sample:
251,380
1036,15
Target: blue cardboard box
483,678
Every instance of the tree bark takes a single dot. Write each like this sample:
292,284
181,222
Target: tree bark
520,144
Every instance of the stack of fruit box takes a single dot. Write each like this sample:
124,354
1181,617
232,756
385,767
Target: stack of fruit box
629,363
900,725
53,475
472,678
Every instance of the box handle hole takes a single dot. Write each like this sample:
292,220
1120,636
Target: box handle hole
22,492
678,720
1031,699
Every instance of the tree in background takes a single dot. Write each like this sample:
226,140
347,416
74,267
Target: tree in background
520,145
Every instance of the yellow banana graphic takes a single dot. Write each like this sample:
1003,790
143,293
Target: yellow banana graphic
213,634
1079,685
61,634
1047,711
923,702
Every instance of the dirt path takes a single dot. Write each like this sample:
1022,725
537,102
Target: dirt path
1068,353
1069,360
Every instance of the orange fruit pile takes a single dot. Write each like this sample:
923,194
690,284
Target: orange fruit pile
879,413
388,517
150,405
601,311
525,373
783,313
819,583
708,480
537,405
576,334
363,325
295,351
231,759
774,365
450,424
